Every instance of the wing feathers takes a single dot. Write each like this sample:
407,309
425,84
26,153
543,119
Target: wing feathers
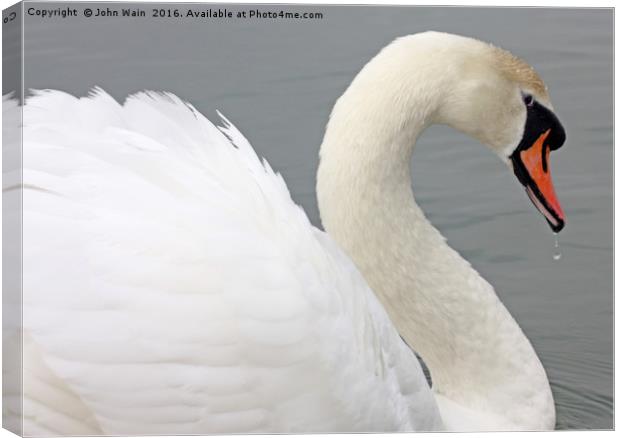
173,286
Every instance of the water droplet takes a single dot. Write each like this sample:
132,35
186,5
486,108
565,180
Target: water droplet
557,253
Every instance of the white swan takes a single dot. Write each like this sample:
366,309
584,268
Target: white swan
171,286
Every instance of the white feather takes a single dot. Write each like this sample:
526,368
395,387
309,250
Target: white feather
173,286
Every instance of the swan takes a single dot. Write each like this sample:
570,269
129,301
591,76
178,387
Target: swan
171,285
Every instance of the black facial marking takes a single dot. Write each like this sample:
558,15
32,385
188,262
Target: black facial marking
539,119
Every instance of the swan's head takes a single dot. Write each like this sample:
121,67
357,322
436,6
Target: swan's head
501,100
433,77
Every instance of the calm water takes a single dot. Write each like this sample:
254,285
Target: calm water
278,80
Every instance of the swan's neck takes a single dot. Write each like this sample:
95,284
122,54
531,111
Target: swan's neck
477,354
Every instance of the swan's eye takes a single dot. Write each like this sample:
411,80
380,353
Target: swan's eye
528,100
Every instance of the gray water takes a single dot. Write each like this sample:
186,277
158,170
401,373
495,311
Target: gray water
277,81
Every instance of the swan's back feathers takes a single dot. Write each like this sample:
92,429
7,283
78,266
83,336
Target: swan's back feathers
174,287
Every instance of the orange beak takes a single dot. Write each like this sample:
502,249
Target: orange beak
532,168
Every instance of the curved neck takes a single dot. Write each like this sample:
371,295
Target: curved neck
477,354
